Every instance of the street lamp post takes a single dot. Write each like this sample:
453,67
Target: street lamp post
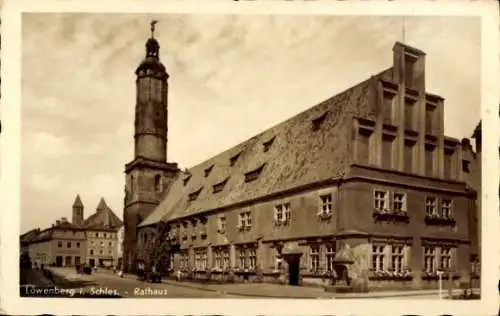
440,276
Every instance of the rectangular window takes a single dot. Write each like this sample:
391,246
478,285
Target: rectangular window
282,214
248,217
77,245
409,109
59,244
408,155
278,213
429,160
314,255
448,158
242,220
399,202
430,112
222,223
409,70
446,208
387,151
388,107
363,146
91,251
445,259
430,259
68,245
241,257
252,258
380,200
330,257
326,204
430,206
466,166
378,257
225,259
397,258
217,258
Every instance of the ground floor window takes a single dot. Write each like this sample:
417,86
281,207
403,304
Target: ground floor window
184,261
314,257
330,257
438,257
430,259
247,257
389,258
200,259
221,257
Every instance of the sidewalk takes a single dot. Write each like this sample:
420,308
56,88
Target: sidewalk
36,278
287,291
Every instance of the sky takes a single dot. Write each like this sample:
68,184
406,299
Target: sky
231,77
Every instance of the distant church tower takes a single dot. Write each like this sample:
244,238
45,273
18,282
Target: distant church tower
77,218
149,174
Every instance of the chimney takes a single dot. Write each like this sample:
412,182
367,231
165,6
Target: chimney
466,143
64,220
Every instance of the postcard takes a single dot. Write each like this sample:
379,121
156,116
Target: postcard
281,157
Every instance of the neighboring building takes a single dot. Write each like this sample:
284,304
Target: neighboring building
63,244
93,241
102,236
364,186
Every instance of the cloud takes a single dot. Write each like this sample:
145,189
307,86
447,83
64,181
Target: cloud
48,145
44,182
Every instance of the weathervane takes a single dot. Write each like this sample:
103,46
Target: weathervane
153,23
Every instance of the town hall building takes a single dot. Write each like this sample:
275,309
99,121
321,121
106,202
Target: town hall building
363,188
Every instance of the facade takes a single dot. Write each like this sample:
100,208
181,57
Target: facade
386,206
61,245
93,241
101,230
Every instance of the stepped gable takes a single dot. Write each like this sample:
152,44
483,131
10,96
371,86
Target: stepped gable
309,147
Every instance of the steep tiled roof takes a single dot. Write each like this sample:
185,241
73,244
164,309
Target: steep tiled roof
104,218
286,156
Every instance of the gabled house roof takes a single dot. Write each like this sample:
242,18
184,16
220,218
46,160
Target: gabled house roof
289,155
103,218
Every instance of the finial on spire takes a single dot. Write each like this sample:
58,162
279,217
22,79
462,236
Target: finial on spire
153,23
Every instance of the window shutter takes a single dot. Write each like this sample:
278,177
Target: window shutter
275,213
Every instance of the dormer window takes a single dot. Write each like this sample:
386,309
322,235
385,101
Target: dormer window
267,145
233,159
186,179
218,187
254,174
316,123
194,195
208,170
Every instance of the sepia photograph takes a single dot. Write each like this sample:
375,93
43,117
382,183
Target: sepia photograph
232,155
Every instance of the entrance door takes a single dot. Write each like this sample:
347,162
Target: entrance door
92,262
67,261
59,261
77,261
293,271
101,262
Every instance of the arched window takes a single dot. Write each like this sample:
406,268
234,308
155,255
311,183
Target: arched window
158,183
